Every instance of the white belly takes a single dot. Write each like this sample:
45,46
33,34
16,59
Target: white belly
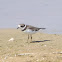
28,31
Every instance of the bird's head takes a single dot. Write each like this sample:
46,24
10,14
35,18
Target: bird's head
21,26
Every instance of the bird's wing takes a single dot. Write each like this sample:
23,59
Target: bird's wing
33,28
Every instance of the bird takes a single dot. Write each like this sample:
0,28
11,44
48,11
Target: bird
29,30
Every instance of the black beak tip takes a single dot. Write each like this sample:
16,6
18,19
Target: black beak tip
18,27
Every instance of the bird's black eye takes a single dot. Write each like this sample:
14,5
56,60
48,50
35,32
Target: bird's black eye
23,26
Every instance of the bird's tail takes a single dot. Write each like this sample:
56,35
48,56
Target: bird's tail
42,28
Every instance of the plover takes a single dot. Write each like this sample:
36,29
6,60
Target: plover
29,29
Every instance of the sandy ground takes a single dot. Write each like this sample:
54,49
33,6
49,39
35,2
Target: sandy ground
43,48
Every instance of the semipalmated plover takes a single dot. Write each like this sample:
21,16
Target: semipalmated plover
28,29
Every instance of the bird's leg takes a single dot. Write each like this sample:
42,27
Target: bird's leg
31,38
28,39
28,36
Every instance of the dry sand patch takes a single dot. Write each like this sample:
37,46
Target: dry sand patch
44,48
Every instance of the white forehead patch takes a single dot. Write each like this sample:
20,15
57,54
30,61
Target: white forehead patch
18,25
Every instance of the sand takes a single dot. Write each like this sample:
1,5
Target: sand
43,48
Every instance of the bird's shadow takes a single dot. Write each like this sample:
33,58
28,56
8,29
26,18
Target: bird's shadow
39,41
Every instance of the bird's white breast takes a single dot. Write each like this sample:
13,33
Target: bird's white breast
29,31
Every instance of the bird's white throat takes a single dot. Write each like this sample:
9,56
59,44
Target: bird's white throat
18,25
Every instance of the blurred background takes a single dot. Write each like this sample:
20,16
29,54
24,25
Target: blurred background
39,13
